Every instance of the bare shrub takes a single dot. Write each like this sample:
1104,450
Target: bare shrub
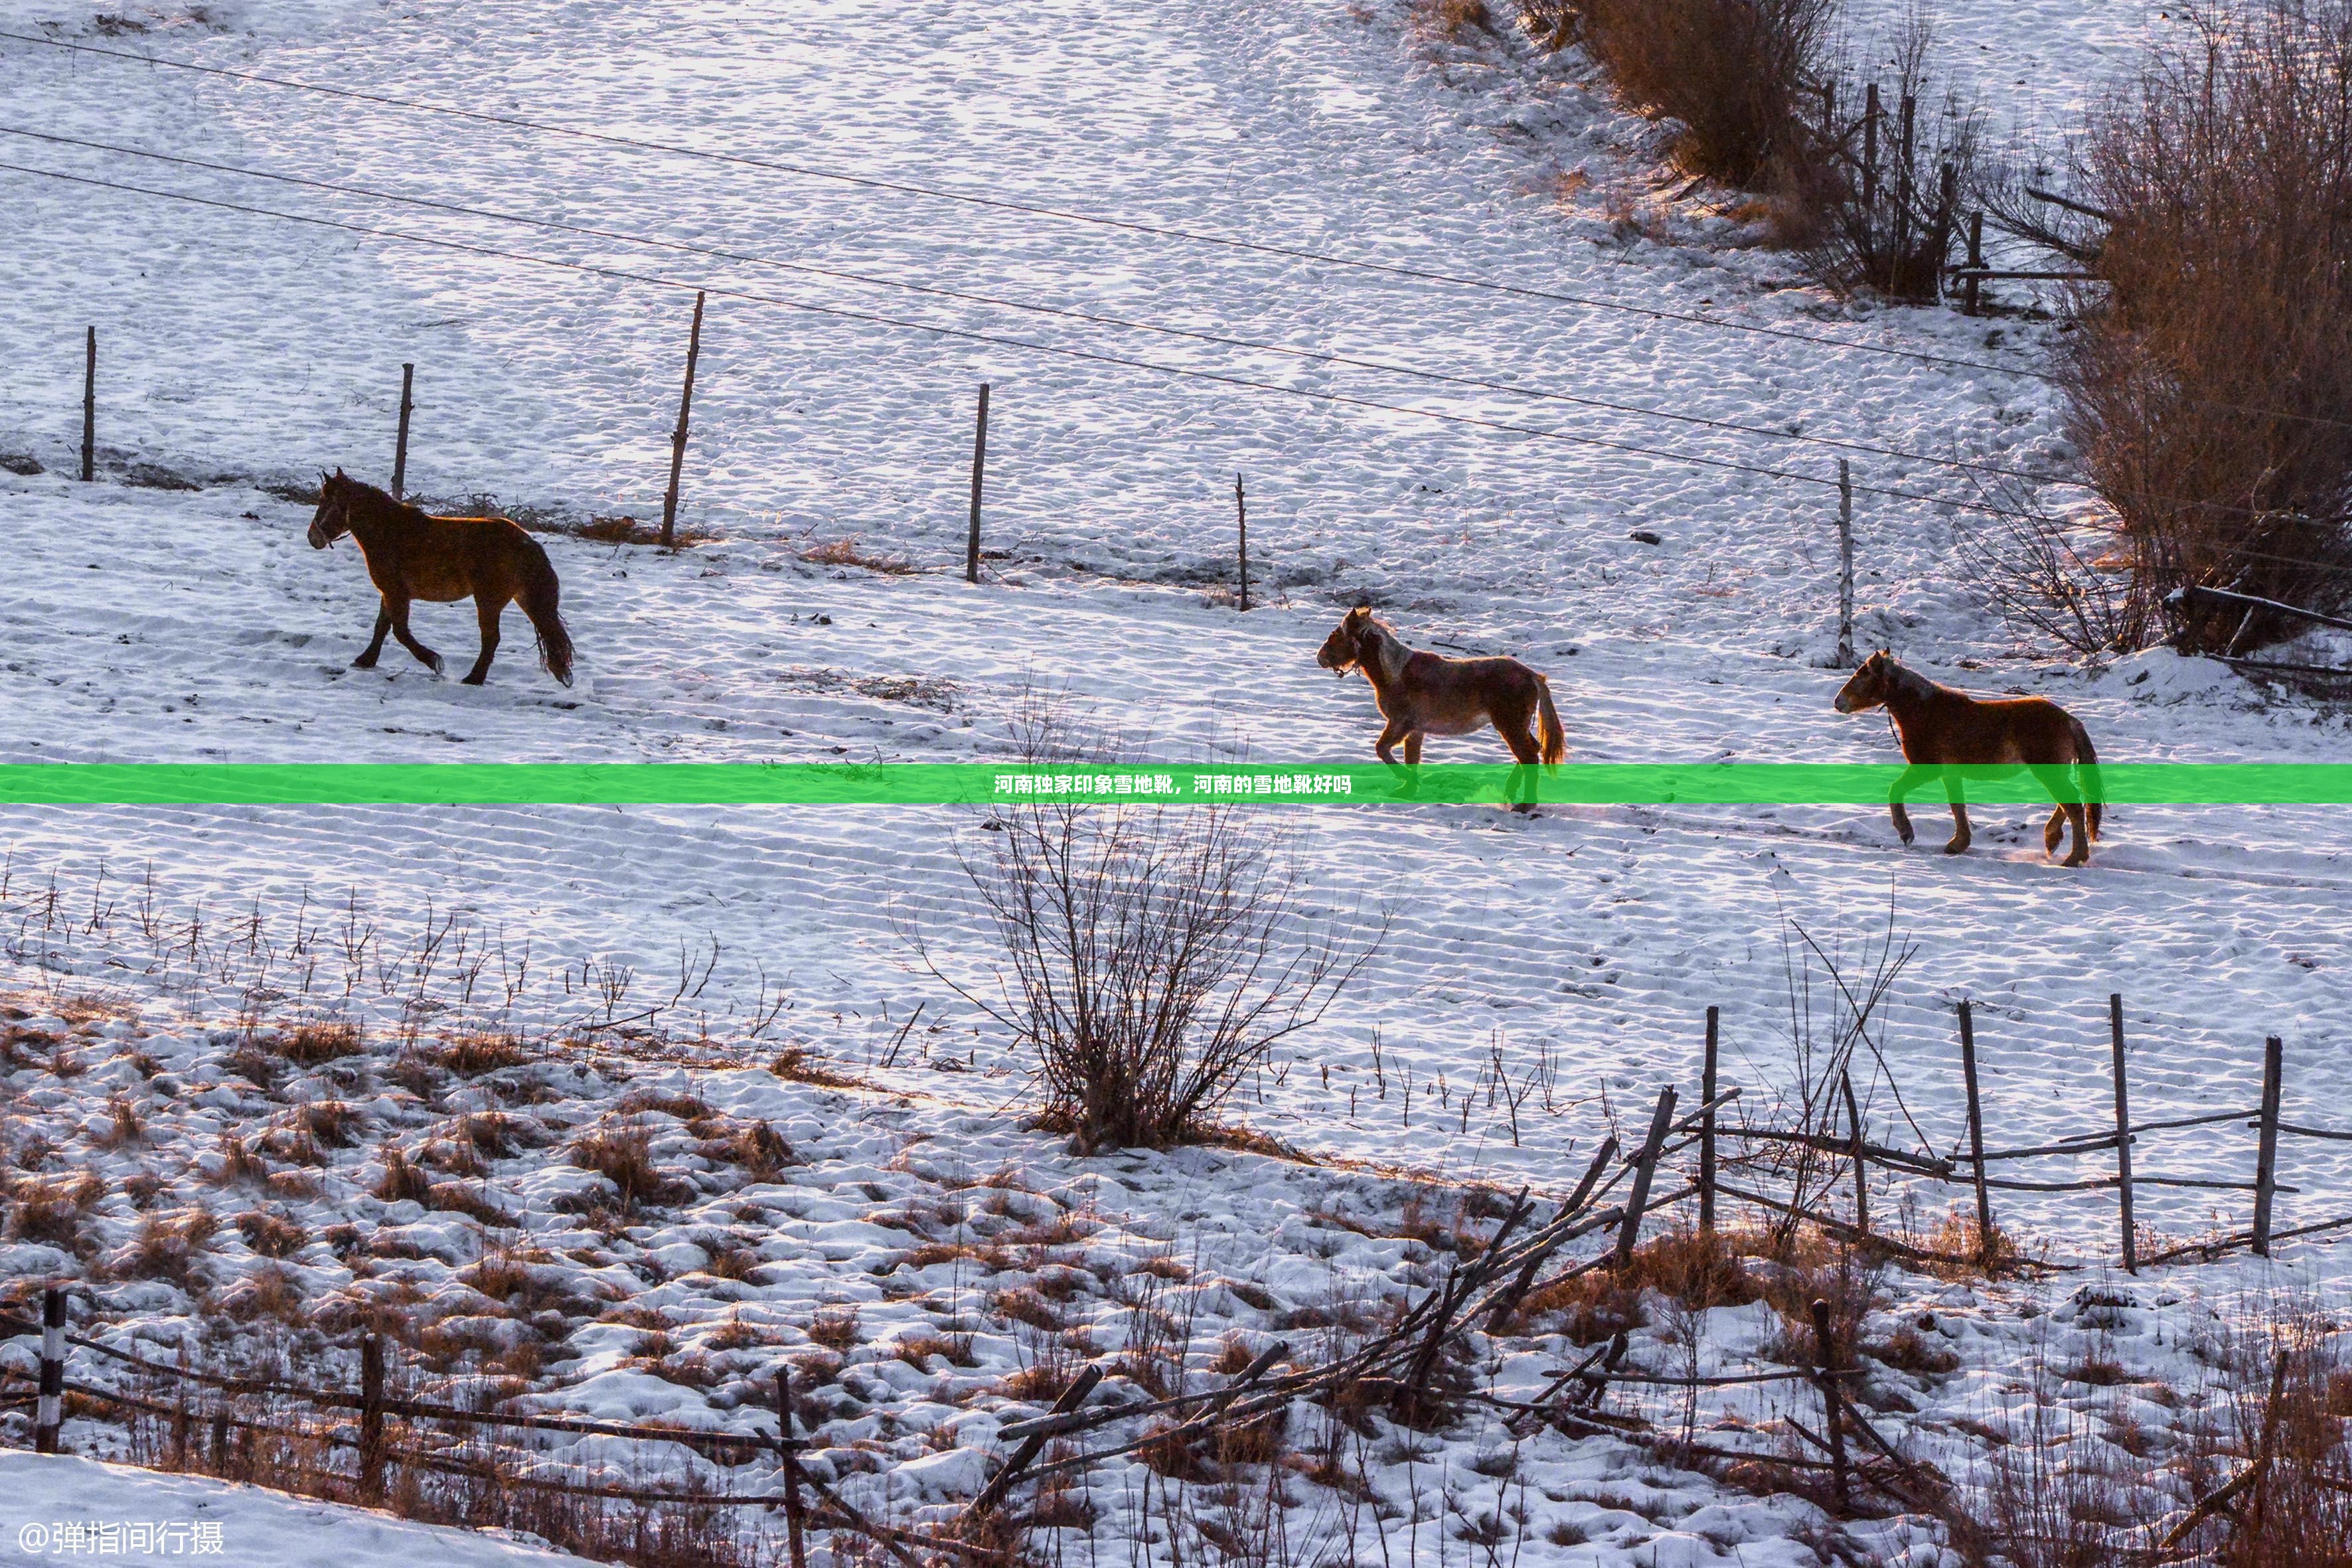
1153,954
2212,391
1732,72
1888,196
2051,580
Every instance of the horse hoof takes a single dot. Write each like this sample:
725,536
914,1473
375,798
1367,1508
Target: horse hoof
1957,846
2076,860
472,681
363,662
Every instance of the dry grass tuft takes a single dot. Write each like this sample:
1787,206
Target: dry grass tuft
623,1156
848,553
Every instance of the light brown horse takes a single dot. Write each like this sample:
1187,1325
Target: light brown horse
1938,726
1429,694
411,555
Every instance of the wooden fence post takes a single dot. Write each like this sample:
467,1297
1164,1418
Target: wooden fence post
677,437
1976,260
1845,565
89,410
400,443
179,1413
1707,1129
1825,1364
1976,1132
1870,172
1645,1165
220,1444
789,1447
2122,1132
372,1416
979,458
1861,1168
2266,1150
49,1412
1241,516
1947,203
1905,154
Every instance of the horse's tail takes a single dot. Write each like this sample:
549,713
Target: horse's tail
539,597
1549,732
2087,760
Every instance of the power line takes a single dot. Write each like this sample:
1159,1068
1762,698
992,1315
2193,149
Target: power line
1316,356
999,341
1062,215
1163,231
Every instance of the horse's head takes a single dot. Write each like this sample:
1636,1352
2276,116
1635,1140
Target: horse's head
333,518
1343,650
1868,687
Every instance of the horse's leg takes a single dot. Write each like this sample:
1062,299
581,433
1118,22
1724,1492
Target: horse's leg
425,656
1912,778
1413,750
1385,747
375,644
488,608
1959,844
2053,779
1520,788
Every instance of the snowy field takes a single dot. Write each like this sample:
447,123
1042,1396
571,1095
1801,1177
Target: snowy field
1577,951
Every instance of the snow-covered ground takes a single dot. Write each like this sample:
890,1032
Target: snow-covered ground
1577,952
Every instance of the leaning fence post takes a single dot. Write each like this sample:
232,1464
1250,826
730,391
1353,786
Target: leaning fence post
1976,1132
1845,565
400,444
220,1444
1861,1168
1825,1365
2266,1150
89,410
50,1414
1645,1165
2123,1131
1947,200
1707,1129
677,437
1241,516
372,1416
789,1447
1870,174
1022,1456
979,459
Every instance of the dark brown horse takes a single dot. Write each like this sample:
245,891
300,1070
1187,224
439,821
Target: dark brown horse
411,556
1429,694
1938,726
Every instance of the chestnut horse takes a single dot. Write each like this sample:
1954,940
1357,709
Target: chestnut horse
1429,694
1939,726
411,555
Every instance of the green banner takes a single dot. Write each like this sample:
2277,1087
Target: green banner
943,783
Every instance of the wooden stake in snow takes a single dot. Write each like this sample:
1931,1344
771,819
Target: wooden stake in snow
1825,1364
372,1416
1976,260
1707,1129
2122,1132
1845,565
677,437
400,443
2266,1150
789,1446
1976,1131
979,459
1645,1166
1860,1166
49,1412
89,410
1241,515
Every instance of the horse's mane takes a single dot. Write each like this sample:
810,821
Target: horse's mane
1909,681
1388,647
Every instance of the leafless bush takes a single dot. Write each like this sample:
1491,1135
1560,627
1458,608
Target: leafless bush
1153,955
2043,576
1734,73
1890,190
2212,391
